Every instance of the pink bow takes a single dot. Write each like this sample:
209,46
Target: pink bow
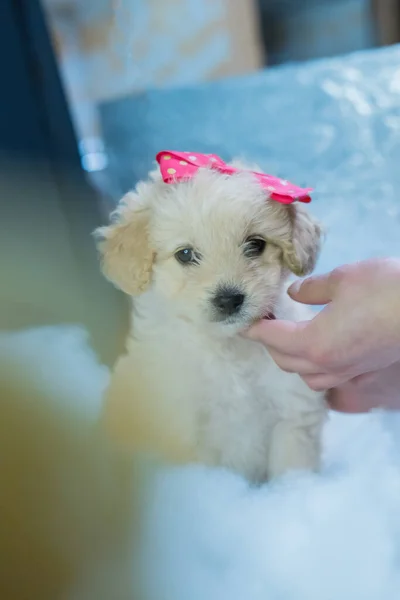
180,166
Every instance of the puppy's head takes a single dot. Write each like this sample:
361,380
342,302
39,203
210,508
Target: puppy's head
214,249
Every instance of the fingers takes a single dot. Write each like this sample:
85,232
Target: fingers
294,364
322,382
280,335
347,399
368,391
315,290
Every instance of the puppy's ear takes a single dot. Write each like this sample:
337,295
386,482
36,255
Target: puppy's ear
126,255
301,253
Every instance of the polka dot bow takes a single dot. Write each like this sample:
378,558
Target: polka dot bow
180,166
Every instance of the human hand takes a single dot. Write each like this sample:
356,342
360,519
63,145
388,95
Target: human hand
380,389
357,332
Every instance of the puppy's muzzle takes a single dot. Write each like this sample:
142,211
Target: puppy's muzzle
228,301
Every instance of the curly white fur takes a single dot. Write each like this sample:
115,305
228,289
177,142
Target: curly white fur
190,382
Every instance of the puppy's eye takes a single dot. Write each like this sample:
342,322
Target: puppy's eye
187,256
254,247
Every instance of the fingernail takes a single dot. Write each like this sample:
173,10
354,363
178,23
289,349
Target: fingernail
295,288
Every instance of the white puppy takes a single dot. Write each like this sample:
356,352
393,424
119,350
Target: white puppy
204,259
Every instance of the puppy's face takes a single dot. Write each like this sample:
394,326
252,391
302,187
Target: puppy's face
214,249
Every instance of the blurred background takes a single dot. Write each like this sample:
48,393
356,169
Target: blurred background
110,49
95,87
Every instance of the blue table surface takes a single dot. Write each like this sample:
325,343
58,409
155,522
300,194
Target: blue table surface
331,124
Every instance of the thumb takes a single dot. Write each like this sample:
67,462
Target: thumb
314,290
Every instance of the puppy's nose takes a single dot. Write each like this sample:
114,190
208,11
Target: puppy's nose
228,302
